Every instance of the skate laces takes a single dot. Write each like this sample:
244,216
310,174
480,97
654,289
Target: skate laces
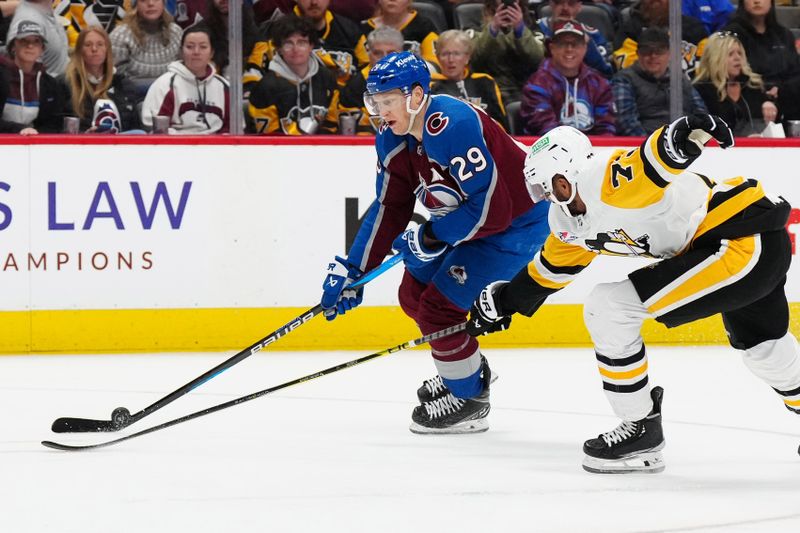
434,385
443,406
623,431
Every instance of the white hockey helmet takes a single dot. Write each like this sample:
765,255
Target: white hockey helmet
563,150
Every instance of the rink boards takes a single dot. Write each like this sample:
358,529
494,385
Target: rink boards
212,244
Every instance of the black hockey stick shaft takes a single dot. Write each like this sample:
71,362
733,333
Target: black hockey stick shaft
219,407
121,418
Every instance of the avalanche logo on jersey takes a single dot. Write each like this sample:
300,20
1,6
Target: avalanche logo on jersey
458,273
619,243
439,199
106,117
578,114
436,123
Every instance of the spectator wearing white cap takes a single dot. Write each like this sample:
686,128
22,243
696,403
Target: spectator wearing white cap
56,53
35,101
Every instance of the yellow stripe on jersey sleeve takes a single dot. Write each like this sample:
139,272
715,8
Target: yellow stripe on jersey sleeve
723,268
729,207
626,184
557,263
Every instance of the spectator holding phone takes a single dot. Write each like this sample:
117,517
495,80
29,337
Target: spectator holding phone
506,48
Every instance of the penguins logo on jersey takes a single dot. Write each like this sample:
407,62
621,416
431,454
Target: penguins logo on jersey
436,123
620,244
303,120
458,273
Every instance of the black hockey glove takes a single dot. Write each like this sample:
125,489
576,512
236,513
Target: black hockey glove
484,316
689,134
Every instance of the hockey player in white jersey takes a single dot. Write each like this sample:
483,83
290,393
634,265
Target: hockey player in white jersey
722,248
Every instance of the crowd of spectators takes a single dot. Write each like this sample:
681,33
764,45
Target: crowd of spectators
130,65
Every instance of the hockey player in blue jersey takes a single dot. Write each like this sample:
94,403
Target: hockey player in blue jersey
462,166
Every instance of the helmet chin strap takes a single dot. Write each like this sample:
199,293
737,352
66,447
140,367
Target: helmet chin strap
413,112
564,204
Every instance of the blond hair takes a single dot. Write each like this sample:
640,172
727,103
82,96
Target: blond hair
714,64
78,78
134,22
457,37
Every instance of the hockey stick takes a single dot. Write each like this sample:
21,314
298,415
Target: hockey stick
122,417
254,395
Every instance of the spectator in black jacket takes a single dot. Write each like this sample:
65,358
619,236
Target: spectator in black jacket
771,51
102,99
36,102
731,89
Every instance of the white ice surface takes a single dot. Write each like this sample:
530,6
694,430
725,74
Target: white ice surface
335,454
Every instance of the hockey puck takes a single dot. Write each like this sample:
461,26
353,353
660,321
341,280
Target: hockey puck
120,417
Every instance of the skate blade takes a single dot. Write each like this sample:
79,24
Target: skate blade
644,463
468,426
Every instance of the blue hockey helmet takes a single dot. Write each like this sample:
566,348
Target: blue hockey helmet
399,70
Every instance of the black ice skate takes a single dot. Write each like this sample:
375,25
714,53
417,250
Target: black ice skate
433,388
449,414
631,447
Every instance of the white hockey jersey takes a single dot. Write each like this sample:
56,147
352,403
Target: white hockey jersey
644,203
